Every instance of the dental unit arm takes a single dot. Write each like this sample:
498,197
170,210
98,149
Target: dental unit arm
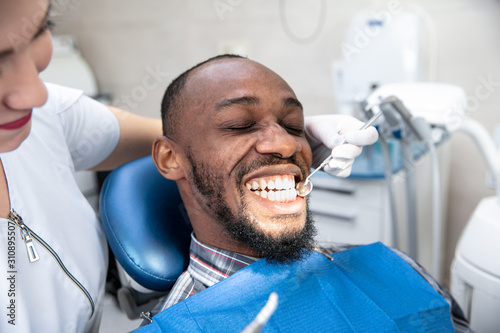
475,271
430,105
486,147
409,129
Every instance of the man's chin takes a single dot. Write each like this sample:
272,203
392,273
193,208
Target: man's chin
276,220
281,227
279,243
288,259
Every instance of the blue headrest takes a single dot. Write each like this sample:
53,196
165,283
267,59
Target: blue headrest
146,224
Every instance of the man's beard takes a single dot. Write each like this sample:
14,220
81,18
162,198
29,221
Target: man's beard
285,249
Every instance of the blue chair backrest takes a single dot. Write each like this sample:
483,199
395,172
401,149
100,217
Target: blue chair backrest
146,224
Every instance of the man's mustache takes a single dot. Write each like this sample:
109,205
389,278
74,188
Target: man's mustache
268,161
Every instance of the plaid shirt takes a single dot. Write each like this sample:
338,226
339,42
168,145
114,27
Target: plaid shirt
209,265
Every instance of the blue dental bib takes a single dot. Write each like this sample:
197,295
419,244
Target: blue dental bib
364,289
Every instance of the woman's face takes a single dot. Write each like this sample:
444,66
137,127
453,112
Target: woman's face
25,50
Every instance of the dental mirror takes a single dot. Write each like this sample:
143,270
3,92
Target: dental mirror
305,187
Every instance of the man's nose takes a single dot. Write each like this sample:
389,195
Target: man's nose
277,141
24,88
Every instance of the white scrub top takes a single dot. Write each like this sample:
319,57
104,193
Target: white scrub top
57,292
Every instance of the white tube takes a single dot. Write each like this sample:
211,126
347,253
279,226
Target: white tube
486,146
390,188
437,227
411,199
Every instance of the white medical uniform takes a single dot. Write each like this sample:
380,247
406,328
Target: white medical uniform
70,132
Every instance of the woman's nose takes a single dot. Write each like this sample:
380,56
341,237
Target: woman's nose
277,141
24,88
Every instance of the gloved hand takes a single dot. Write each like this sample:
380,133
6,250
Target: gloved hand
324,133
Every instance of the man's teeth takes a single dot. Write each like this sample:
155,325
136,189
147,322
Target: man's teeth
276,189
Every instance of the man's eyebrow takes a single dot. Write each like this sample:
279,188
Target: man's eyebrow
290,101
245,101
40,30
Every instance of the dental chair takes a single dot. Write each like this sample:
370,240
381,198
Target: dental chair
148,231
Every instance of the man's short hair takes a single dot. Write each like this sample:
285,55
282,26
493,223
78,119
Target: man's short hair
171,105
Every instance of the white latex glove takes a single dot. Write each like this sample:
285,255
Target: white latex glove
324,133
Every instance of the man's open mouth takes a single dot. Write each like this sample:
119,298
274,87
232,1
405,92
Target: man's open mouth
280,188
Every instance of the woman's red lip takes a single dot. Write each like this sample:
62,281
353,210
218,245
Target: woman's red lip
17,124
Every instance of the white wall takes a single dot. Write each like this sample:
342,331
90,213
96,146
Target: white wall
124,40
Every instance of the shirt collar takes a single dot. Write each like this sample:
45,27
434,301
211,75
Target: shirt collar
211,265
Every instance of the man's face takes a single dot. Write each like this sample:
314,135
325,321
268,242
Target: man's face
245,141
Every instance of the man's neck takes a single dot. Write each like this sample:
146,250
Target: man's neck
221,239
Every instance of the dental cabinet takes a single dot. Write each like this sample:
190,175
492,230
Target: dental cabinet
357,209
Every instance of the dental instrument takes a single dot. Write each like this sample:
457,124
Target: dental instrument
263,316
305,187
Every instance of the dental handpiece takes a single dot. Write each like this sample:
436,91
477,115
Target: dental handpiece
305,187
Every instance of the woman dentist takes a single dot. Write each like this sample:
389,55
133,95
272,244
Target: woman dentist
53,254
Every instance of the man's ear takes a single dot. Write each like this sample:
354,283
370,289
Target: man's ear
166,158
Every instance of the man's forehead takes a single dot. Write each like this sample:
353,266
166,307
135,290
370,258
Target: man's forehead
225,67
231,77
